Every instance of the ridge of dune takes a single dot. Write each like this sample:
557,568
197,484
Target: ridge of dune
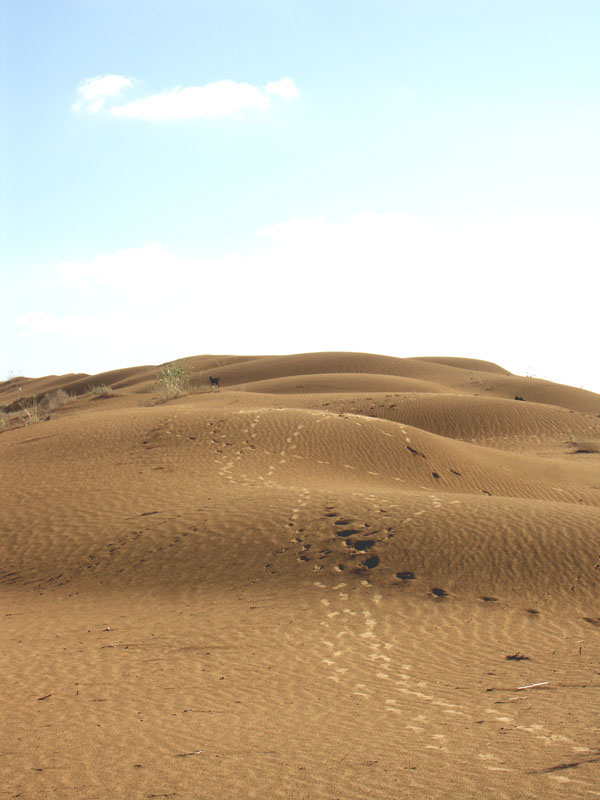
499,422
459,375
329,382
360,363
331,577
471,364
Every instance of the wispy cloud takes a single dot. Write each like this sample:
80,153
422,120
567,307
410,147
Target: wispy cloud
92,93
218,99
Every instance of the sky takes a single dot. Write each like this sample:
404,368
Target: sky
181,177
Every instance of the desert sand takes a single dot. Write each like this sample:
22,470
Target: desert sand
329,578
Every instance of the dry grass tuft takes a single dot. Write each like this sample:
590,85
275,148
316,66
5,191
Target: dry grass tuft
31,410
102,390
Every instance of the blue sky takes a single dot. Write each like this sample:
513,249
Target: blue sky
183,177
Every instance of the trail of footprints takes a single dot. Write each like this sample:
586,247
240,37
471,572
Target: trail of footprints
361,543
228,462
349,635
386,678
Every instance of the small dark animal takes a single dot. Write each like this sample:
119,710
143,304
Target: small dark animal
214,382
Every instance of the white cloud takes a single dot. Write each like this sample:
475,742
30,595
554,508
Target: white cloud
93,92
388,283
283,88
219,99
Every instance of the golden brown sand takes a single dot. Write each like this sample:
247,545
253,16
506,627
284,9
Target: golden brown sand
328,579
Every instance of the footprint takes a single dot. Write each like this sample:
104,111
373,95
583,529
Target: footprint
361,544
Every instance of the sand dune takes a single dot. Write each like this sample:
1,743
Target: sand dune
328,383
328,579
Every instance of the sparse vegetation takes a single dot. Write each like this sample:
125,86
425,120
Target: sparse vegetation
101,390
56,399
174,378
31,411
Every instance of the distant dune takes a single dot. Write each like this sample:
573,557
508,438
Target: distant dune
340,575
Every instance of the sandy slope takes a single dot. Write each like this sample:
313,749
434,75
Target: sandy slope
305,585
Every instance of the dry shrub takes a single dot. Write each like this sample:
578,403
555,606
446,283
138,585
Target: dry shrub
173,378
57,399
102,390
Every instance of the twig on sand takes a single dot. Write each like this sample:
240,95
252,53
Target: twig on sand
45,697
531,685
227,752
126,645
203,711
172,794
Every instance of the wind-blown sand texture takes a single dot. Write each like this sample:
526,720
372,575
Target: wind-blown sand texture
307,584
